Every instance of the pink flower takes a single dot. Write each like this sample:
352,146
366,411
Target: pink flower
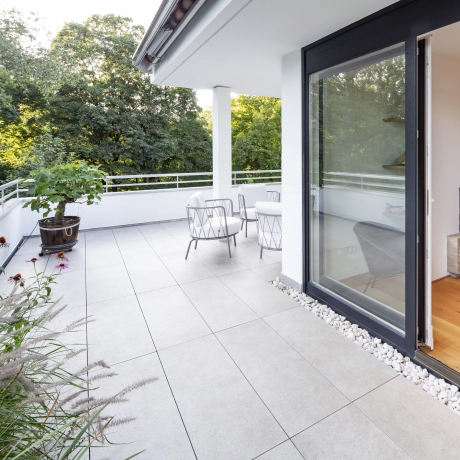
17,279
62,266
61,256
33,260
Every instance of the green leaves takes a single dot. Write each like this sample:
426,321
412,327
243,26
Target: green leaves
256,132
62,184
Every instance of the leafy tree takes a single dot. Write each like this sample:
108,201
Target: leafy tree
256,132
111,115
21,101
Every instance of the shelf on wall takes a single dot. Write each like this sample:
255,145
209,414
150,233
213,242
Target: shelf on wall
394,120
390,214
394,166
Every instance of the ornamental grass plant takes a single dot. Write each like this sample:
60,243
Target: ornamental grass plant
47,412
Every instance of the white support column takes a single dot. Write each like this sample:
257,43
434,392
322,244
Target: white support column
221,142
291,160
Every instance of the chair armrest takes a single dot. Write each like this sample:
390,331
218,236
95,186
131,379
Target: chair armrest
226,203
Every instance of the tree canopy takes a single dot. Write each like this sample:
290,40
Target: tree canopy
81,99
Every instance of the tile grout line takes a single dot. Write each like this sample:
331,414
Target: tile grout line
241,372
280,444
303,357
226,351
350,401
372,421
153,341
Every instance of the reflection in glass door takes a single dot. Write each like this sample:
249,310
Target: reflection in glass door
357,183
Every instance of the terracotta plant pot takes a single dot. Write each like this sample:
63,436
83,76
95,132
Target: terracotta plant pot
59,237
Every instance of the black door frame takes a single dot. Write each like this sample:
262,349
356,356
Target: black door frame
401,22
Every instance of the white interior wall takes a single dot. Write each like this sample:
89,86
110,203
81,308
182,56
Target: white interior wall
446,156
291,148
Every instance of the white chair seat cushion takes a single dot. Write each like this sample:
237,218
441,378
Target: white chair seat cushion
251,213
271,208
215,227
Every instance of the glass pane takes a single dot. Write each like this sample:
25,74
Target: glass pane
357,183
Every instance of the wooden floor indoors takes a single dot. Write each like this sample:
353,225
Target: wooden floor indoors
446,322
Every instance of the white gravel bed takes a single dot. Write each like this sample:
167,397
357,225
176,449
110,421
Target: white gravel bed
439,389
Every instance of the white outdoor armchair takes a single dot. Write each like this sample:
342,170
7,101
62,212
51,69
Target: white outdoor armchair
248,196
211,220
269,226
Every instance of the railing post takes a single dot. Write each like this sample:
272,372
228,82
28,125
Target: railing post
177,181
106,184
3,201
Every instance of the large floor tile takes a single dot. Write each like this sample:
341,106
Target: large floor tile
255,261
166,245
103,255
127,233
158,428
217,304
137,250
348,367
27,270
296,394
30,248
241,250
414,420
176,228
71,287
347,434
93,235
148,274
257,294
185,271
153,230
67,317
269,272
118,331
77,260
285,451
75,341
108,282
219,263
224,416
171,317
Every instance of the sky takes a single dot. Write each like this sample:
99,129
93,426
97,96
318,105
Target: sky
55,14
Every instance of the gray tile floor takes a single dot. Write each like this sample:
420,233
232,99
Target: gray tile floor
243,371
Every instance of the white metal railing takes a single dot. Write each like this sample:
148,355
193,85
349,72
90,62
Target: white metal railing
369,182
255,175
12,190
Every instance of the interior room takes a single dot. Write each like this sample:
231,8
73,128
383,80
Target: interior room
443,218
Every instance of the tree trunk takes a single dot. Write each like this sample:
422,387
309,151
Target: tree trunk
60,212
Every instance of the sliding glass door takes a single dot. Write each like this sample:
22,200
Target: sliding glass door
357,184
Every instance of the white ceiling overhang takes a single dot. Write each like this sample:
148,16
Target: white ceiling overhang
240,43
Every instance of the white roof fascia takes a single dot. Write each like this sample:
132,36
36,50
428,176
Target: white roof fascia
209,20
162,14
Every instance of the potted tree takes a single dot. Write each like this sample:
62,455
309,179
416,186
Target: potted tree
52,189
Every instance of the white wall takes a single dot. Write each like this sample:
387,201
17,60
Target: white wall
362,205
446,157
114,209
291,112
